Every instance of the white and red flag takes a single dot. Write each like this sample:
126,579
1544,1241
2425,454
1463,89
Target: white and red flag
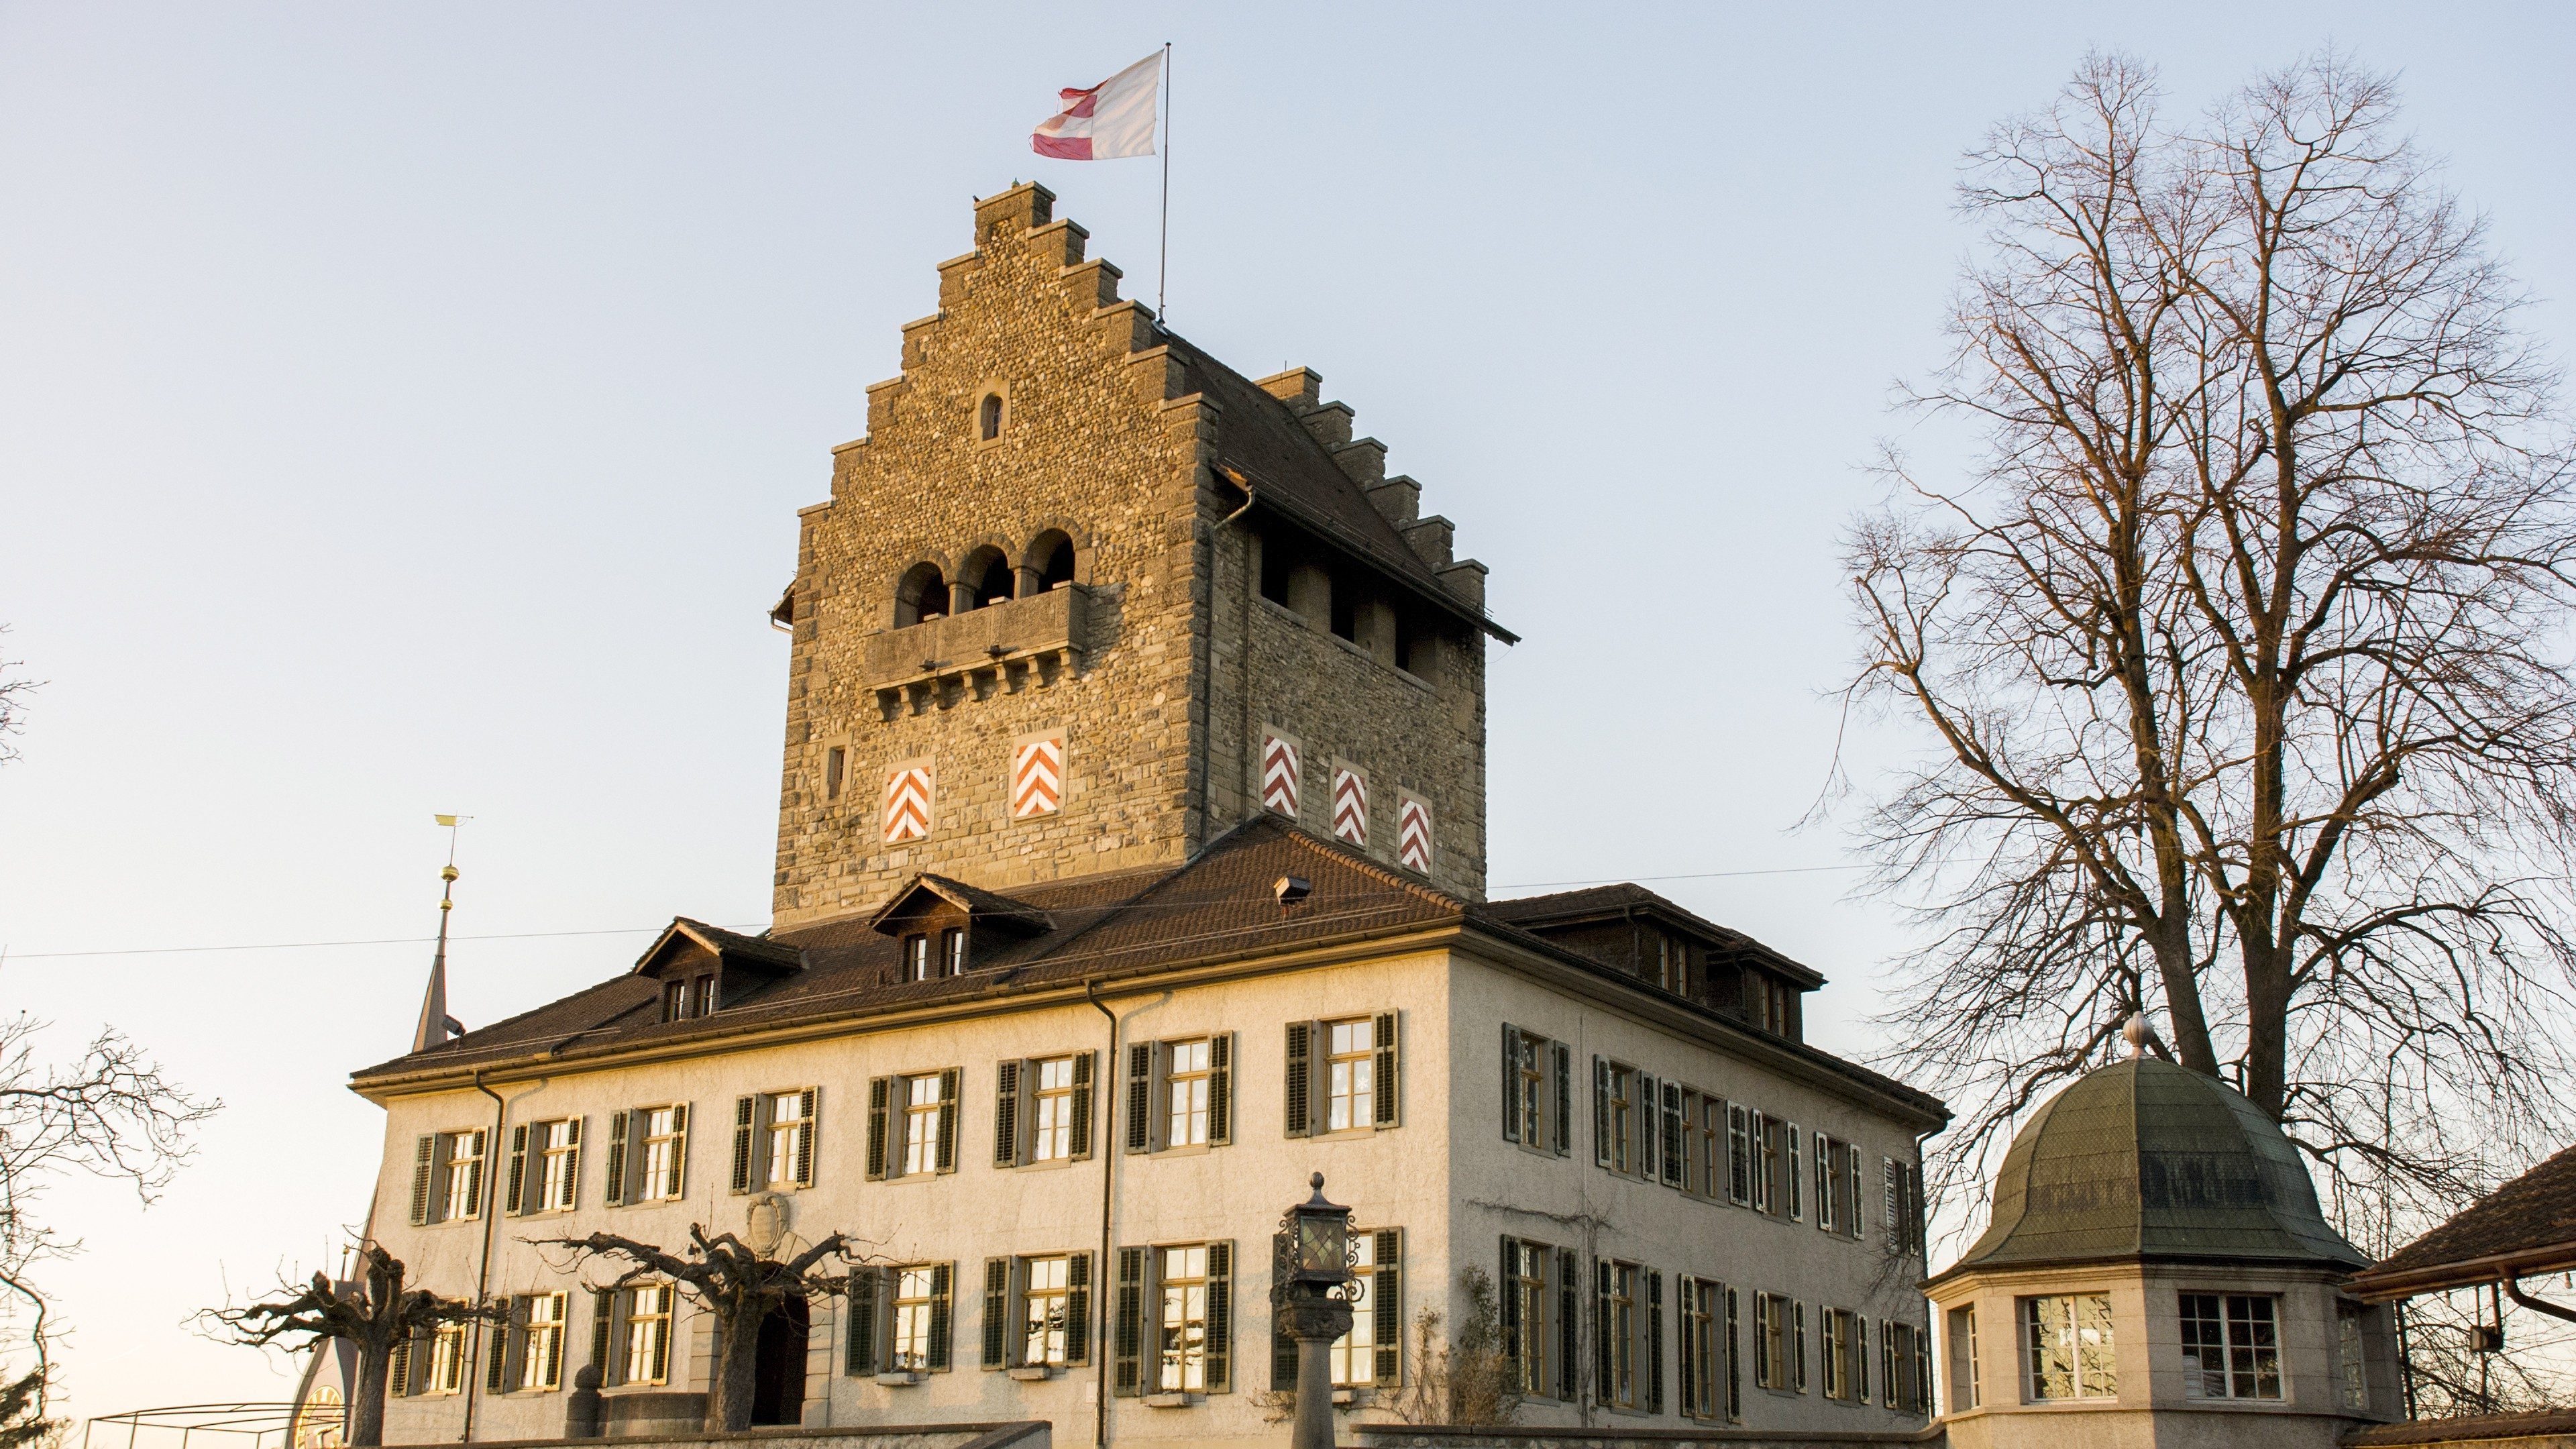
1112,119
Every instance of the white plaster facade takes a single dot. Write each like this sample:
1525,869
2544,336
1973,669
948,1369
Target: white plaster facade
1444,1175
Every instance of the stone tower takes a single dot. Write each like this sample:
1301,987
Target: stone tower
1084,598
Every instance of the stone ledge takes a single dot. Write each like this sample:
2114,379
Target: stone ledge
1006,1434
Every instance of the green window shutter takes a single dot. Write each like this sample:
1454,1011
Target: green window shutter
612,1190
423,1162
1516,1350
1300,1084
678,1183
948,1120
1386,1288
1860,1358
603,1319
1006,1114
1127,1329
1569,1333
1140,1092
1220,1316
942,1283
398,1370
1564,1056
812,1105
1685,1379
496,1352
878,1088
572,1163
1390,1086
1676,1138
1798,1345
742,1115
1511,1083
1600,1112
1734,1357
997,1312
514,1186
1077,1308
1082,1092
861,1357
1654,1343
1601,1325
1283,1348
474,1179
662,1345
1221,1087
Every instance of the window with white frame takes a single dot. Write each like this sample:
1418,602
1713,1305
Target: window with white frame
1703,1314
1840,1353
541,1342
1046,1310
1188,1079
1617,1319
1354,1354
1180,1093
1181,1323
2067,1348
559,1164
1350,1064
919,1318
665,1153
648,1333
1538,1091
901,1318
1537,1317
912,1124
1341,1075
774,1139
463,1175
1042,1109
2231,1346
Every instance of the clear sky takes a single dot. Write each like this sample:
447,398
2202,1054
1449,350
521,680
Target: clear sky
404,408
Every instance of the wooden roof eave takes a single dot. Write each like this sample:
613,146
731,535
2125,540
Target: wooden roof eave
2375,1285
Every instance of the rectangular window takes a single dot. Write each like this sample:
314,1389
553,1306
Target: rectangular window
916,958
1739,1156
1906,1366
1350,1061
1180,1353
1527,1315
1051,1127
1770,1341
916,1315
1187,1076
541,1347
461,1173
1839,1351
2352,1375
1963,1358
921,1107
1043,1300
835,764
665,1154
559,1164
1701,1317
2231,1346
790,1136
952,951
1538,1091
1620,1294
648,1333
702,995
2066,1348
1355,1353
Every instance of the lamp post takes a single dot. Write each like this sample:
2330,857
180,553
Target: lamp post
1309,1297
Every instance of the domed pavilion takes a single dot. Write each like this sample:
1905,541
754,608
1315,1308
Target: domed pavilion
2157,1272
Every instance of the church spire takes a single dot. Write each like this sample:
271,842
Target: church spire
436,1026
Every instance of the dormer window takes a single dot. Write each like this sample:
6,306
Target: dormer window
916,957
952,951
689,997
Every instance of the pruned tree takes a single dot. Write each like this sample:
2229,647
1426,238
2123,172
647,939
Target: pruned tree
373,1312
734,1285
110,1113
1467,1379
2241,645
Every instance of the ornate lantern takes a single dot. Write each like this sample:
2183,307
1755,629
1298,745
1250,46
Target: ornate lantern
1309,1293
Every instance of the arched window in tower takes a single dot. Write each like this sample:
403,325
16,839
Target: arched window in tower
988,578
988,417
1051,559
921,596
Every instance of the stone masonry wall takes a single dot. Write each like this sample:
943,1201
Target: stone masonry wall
1178,665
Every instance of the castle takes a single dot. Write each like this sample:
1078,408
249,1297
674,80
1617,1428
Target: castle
1131,866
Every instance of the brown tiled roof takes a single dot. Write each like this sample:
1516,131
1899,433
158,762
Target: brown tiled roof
1217,908
1539,911
2526,1226
1290,471
2543,1427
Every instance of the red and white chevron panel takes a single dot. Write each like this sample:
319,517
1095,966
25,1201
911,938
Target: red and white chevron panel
1279,775
907,807
1413,834
1350,806
1037,778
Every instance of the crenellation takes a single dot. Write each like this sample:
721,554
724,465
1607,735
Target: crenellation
1363,461
1299,387
1398,500
1431,538
1330,423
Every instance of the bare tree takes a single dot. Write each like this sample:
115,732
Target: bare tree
1466,1380
2241,643
736,1286
14,689
109,1114
372,1312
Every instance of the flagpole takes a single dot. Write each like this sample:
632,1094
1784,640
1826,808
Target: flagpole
1163,252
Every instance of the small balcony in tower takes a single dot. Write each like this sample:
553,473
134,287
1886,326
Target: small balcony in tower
1004,647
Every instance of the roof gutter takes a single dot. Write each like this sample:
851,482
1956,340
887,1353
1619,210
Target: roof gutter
2376,1285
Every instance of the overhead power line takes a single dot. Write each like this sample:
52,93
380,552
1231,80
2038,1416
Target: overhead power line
753,927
